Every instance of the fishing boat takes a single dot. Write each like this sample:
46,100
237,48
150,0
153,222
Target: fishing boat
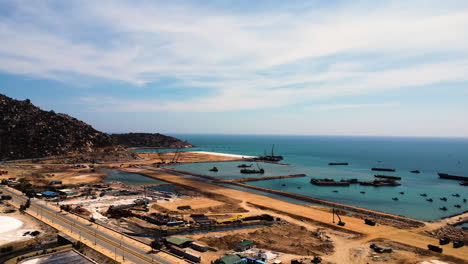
456,195
457,206
423,194
253,171
443,208
415,171
429,200
401,193
214,169
244,166
443,199
464,183
395,198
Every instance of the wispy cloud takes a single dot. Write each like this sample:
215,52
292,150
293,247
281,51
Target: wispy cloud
268,59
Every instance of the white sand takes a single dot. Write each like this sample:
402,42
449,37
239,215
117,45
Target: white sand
224,154
8,224
10,230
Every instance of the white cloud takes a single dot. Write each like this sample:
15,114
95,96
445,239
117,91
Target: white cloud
271,59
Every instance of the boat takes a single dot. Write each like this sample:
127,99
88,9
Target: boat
328,182
252,171
401,192
415,171
378,183
464,183
429,200
443,208
452,177
271,157
383,169
464,200
395,198
338,163
423,194
244,166
443,199
283,184
335,191
351,181
214,169
363,192
457,206
387,177
456,195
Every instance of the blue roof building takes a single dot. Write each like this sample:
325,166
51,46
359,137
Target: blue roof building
49,194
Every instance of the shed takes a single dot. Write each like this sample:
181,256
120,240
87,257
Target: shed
199,246
179,241
229,259
244,245
49,194
68,192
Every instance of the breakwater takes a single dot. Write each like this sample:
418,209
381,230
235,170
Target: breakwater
372,213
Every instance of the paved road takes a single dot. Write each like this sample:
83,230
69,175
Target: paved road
91,232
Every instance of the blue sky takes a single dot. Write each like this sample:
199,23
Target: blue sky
382,68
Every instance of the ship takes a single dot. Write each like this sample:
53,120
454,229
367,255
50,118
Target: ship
338,163
383,169
271,157
378,183
452,177
464,183
244,166
328,182
387,177
252,171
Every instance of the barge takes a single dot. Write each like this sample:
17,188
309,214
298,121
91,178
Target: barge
378,183
383,169
452,177
328,182
387,177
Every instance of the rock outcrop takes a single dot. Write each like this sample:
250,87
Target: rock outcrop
135,140
27,131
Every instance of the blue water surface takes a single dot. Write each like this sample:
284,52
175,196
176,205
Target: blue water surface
311,155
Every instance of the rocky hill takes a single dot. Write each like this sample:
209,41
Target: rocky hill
26,131
149,140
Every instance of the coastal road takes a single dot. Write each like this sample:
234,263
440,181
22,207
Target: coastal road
94,236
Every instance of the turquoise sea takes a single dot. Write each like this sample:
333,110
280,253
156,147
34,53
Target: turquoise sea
311,155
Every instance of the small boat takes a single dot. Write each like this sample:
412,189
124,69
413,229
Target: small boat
335,191
456,195
429,200
402,192
395,199
415,171
423,194
363,192
457,206
244,166
283,184
214,169
443,199
464,183
298,187
443,208
338,163
464,200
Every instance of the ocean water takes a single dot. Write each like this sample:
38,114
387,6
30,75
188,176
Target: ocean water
311,155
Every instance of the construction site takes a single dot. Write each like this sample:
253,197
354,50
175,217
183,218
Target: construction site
185,217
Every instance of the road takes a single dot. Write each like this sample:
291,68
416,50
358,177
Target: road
90,234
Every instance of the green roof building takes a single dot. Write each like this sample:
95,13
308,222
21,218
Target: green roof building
229,259
244,245
179,241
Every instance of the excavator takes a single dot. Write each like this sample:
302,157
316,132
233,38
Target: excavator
340,223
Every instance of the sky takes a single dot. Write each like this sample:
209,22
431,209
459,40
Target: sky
366,68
